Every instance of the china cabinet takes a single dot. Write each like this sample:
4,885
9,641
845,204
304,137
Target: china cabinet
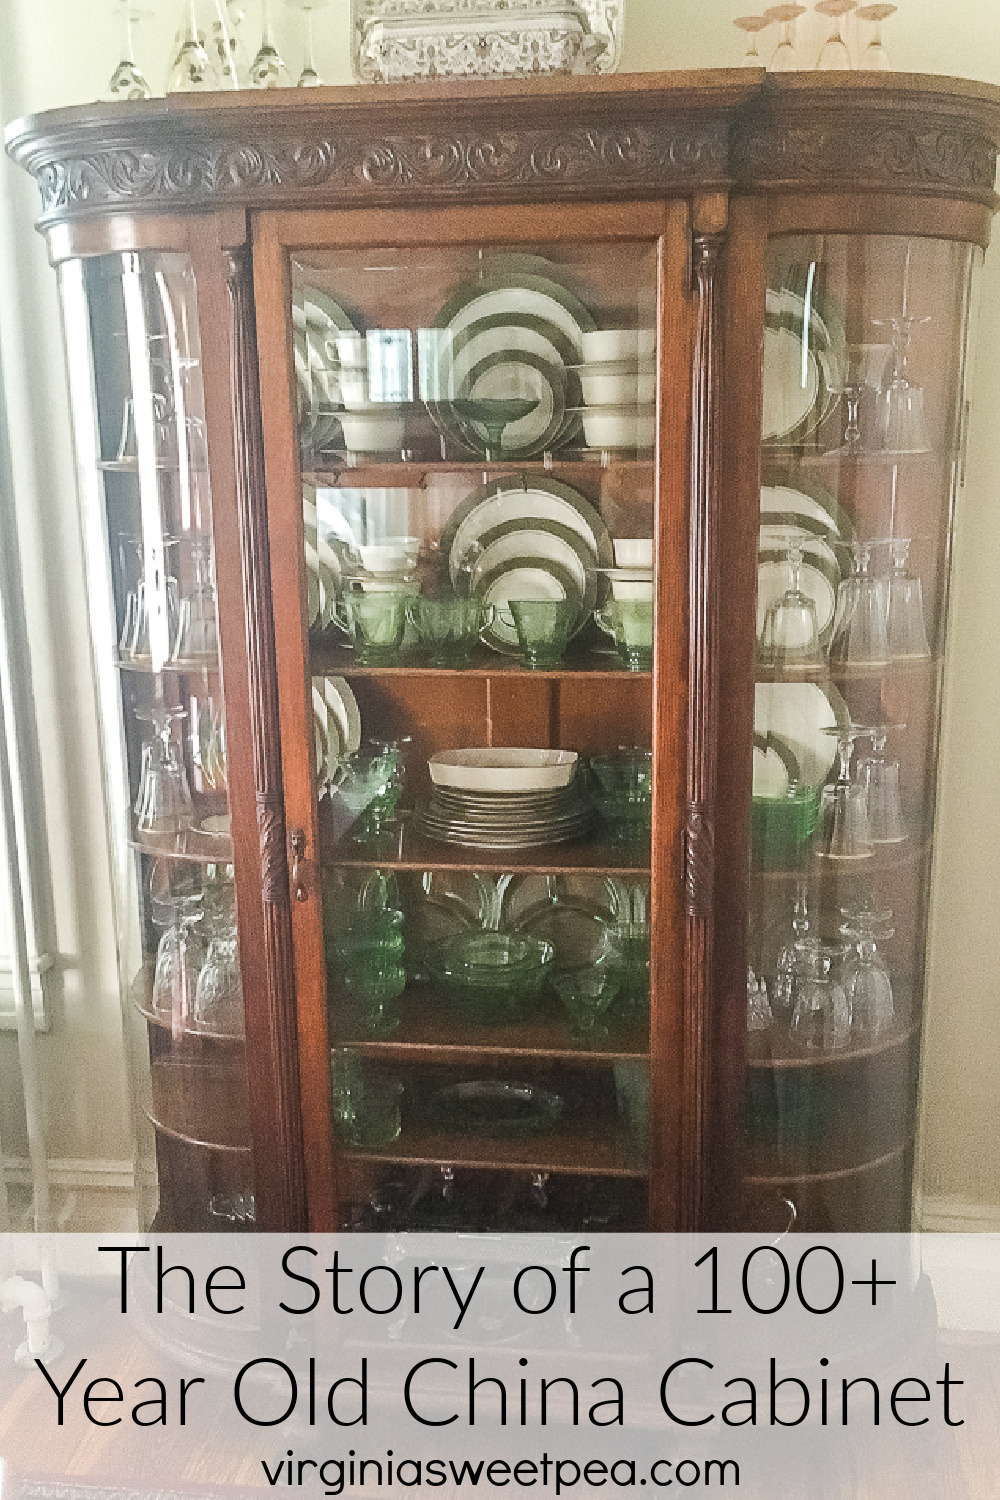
518,522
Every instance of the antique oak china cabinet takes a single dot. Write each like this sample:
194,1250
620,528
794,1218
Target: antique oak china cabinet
518,522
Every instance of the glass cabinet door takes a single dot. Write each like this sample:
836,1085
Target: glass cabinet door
863,420
135,362
476,430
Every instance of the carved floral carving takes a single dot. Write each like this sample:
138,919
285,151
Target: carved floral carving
868,151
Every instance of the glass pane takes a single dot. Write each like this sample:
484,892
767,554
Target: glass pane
476,431
864,357
132,335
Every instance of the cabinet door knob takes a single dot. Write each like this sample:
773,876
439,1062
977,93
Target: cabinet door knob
297,839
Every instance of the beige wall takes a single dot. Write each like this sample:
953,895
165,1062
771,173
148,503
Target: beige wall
62,51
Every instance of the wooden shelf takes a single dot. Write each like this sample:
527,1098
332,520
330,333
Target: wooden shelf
847,1057
929,666
404,848
578,1148
835,1174
328,658
433,1032
142,1001
381,473
204,1105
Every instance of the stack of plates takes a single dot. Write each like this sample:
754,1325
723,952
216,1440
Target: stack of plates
337,724
803,357
618,380
323,570
317,322
800,512
540,541
514,332
505,799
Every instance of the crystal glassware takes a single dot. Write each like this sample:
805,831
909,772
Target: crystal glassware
859,628
784,58
128,80
866,979
759,1017
230,50
370,788
587,994
880,779
198,631
268,69
179,957
821,1016
906,634
163,803
843,831
218,1000
782,985
752,26
875,56
790,632
900,426
862,369
193,69
309,77
834,55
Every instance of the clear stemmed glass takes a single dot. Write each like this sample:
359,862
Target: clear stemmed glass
843,832
234,65
163,803
128,81
821,1019
782,987
834,55
863,368
790,632
759,1017
859,627
906,633
752,25
179,957
268,69
880,779
875,56
309,78
784,58
866,979
198,633
901,403
192,70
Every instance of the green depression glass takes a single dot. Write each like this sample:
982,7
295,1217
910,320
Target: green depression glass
630,621
781,826
376,623
370,788
448,627
491,976
366,1105
543,628
587,993
374,986
622,788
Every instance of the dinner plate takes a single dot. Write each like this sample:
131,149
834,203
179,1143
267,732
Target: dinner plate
801,715
548,542
538,499
514,293
802,358
808,500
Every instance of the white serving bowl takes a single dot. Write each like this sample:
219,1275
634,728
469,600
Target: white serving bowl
617,384
379,431
395,554
603,344
633,551
628,427
503,769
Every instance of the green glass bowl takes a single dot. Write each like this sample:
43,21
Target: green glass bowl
491,976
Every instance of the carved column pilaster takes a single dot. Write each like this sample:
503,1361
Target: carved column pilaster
699,833
288,1181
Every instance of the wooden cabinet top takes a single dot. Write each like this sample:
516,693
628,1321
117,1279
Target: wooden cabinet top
555,139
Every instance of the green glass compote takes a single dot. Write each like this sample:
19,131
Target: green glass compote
494,413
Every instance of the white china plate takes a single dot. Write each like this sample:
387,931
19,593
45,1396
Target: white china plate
498,503
503,768
801,714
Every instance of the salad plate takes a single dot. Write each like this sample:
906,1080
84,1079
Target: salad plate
801,715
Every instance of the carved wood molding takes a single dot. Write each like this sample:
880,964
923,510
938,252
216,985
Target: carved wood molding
549,164
863,151
288,1183
703,695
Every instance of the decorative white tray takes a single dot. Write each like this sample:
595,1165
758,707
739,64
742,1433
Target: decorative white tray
397,40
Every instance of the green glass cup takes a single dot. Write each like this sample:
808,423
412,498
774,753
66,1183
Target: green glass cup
630,621
366,1104
375,620
543,627
449,627
373,986
587,993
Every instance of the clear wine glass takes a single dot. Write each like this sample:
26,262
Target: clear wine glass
163,802
128,80
901,403
875,56
866,979
843,831
790,632
821,1019
859,629
752,25
880,779
192,70
309,77
784,59
782,987
862,369
834,55
268,69
906,634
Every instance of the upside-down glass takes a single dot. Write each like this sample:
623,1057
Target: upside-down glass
866,978
163,803
906,633
790,632
784,58
900,426
843,832
859,628
834,54
821,1016
880,779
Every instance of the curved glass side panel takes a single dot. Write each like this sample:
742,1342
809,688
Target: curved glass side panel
864,371
134,356
476,432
